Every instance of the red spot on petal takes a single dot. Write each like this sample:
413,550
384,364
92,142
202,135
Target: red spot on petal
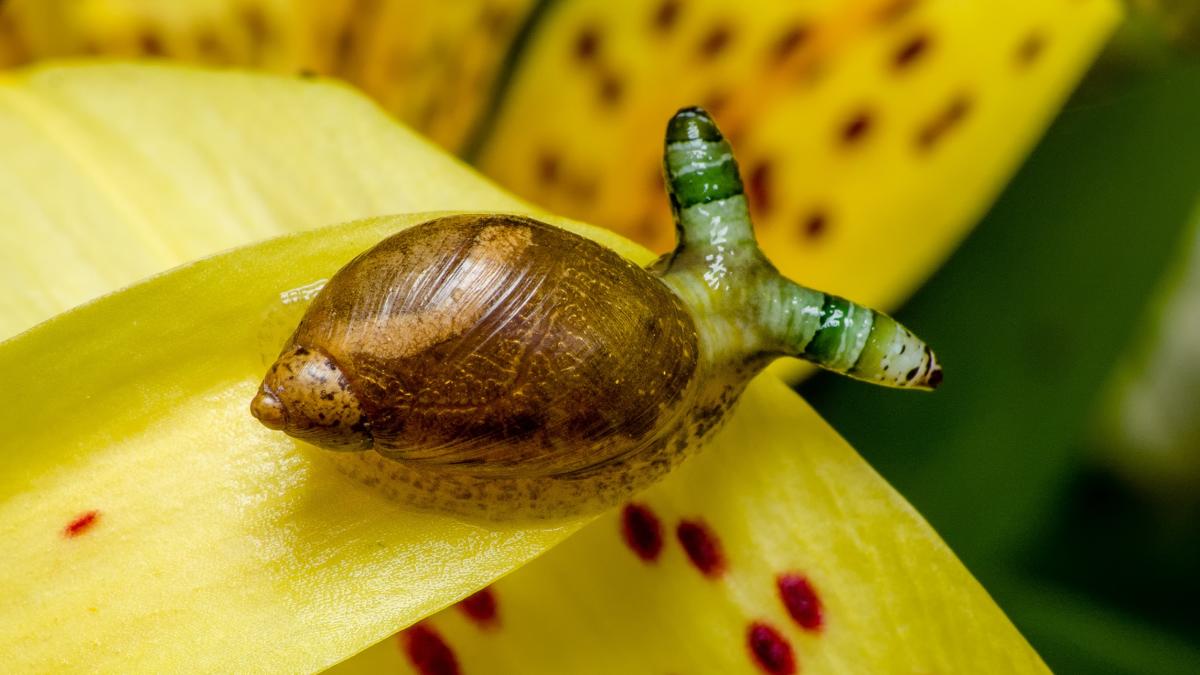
587,43
428,652
1030,49
800,600
814,225
789,41
481,608
548,165
257,25
770,650
82,523
702,547
612,89
951,116
911,51
643,531
758,188
150,43
716,41
666,15
715,102
856,128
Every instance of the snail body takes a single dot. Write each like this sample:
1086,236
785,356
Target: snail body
497,366
490,354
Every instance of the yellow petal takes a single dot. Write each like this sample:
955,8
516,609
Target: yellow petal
149,520
430,63
111,174
872,133
784,496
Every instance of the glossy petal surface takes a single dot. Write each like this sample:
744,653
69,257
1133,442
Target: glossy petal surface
111,174
780,524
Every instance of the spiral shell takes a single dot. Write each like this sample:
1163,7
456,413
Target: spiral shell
493,344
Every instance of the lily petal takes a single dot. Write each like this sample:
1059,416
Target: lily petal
149,519
114,173
782,526
873,133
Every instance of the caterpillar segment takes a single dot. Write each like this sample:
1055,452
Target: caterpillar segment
748,307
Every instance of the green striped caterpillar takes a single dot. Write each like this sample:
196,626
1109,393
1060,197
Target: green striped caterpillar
718,266
507,368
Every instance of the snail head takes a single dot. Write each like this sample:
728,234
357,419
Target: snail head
306,395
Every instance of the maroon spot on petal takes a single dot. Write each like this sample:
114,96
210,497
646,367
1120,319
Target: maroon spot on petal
735,134
715,42
789,41
856,128
642,531
344,48
256,24
1030,49
715,102
770,650
82,523
548,167
612,89
947,119
656,181
702,547
583,189
150,43
587,43
800,600
758,188
208,43
666,16
910,51
481,608
957,110
896,10
428,652
646,229
814,225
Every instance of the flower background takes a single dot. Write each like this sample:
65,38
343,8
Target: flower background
1047,315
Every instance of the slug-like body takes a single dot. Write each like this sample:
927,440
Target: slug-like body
739,297
507,368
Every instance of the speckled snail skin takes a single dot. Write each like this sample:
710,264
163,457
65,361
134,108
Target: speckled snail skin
511,369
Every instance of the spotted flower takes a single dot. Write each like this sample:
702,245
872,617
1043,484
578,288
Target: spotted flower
151,523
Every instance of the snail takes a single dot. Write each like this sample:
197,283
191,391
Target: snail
508,368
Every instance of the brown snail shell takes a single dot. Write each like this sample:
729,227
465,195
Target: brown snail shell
490,344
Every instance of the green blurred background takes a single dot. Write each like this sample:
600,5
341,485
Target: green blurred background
1054,320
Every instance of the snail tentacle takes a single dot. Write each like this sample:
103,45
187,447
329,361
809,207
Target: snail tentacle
742,305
